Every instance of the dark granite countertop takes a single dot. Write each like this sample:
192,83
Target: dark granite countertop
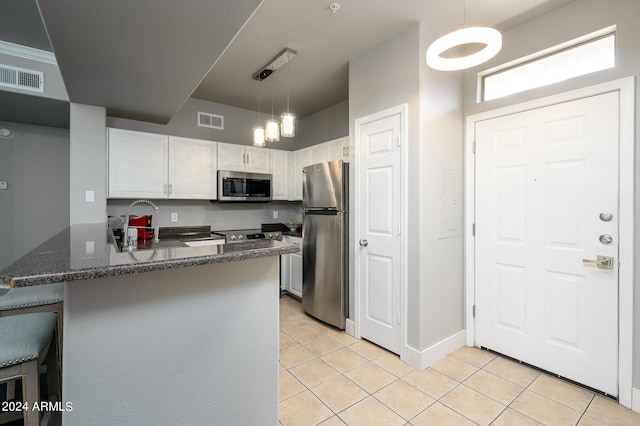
87,251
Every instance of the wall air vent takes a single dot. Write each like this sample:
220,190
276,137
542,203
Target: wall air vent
20,78
211,121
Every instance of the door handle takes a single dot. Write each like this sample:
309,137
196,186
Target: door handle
364,243
602,262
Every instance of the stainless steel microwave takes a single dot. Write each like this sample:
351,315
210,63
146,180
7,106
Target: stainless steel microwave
242,186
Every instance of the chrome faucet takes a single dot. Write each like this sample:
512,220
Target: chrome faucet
126,221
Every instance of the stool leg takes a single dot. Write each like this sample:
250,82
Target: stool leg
53,372
30,392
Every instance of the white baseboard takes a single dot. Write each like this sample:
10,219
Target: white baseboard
427,357
350,327
635,400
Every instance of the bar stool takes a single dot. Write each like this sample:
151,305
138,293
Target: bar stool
40,298
27,340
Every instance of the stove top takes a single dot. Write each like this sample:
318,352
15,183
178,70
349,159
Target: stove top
239,235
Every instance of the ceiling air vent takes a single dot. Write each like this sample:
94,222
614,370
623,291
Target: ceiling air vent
20,78
211,121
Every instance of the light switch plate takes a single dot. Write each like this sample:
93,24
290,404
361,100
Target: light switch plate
89,196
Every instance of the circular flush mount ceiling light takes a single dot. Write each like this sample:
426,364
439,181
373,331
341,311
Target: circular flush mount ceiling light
6,132
491,38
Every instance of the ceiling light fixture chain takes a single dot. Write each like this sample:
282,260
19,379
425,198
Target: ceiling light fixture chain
258,130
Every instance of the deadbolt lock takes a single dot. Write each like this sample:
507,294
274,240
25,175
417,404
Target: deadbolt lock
602,262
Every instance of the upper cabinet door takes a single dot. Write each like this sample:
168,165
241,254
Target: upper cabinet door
302,158
231,157
337,149
319,153
258,160
240,158
137,164
192,169
280,172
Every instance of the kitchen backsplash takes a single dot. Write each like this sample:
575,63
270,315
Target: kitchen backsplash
219,216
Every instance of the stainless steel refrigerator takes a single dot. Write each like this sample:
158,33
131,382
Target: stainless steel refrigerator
325,198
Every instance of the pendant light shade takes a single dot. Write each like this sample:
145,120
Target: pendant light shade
272,131
272,128
287,125
490,37
258,136
258,131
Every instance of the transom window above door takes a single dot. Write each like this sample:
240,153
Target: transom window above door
584,55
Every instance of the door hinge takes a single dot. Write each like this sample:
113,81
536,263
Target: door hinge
399,318
473,147
474,311
399,139
399,229
473,229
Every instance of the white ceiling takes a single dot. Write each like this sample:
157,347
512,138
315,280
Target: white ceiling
325,42
143,59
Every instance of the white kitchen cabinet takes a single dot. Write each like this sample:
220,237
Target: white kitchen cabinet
240,158
319,153
291,269
148,165
192,169
337,149
295,274
280,170
138,164
301,159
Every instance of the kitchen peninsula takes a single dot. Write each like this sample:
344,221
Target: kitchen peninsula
168,335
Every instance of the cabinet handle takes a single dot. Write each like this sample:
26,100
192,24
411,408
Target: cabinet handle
247,158
165,189
170,188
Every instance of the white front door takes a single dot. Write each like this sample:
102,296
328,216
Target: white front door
546,207
378,228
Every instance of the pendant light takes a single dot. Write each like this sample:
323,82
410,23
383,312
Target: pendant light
258,131
490,37
287,122
272,128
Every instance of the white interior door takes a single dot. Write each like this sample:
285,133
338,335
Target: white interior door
547,198
378,224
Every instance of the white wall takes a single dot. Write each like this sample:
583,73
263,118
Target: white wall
389,75
189,346
571,21
219,216
35,165
329,124
323,126
88,164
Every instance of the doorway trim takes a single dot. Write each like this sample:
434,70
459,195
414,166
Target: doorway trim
626,88
401,109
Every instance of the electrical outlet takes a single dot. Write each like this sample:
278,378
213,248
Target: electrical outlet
3,185
174,217
275,214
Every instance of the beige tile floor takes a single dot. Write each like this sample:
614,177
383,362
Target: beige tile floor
330,378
